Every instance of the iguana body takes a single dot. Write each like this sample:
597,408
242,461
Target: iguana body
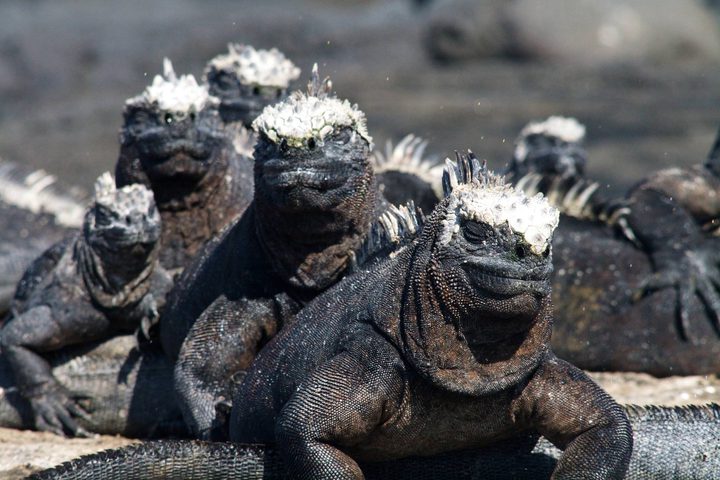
440,348
104,281
174,142
315,198
668,443
638,273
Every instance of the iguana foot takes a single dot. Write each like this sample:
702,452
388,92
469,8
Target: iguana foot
694,272
56,411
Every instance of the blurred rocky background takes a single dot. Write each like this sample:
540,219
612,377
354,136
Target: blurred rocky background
643,75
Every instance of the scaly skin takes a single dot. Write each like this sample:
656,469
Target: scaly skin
669,443
187,158
105,281
660,245
313,206
122,386
442,347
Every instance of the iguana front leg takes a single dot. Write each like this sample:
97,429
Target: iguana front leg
218,349
54,407
340,404
684,258
577,416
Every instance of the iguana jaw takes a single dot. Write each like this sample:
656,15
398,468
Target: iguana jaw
507,278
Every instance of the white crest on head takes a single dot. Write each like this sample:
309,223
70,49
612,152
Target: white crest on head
125,199
256,66
174,94
303,116
567,129
478,195
104,186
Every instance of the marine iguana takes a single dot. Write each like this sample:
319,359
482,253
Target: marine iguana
668,443
315,198
106,281
35,212
405,358
611,252
442,347
246,80
174,142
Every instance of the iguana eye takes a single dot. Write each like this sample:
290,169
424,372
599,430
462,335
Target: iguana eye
476,232
521,251
224,82
342,137
256,91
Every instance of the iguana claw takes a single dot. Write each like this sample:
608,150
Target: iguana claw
55,411
696,272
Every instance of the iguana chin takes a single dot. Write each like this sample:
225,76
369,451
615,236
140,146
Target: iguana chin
174,142
105,281
442,347
315,198
614,252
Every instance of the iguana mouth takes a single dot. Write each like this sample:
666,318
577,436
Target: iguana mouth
187,148
508,279
327,176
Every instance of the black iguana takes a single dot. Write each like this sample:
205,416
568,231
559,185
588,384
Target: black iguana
613,253
106,281
315,198
174,142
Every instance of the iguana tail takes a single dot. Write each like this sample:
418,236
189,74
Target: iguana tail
670,443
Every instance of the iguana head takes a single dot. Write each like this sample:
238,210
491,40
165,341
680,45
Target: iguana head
494,240
551,147
476,314
314,185
247,80
122,225
312,150
172,133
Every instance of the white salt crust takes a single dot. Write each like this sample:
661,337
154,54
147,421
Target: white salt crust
252,66
497,204
301,117
174,94
566,129
129,198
